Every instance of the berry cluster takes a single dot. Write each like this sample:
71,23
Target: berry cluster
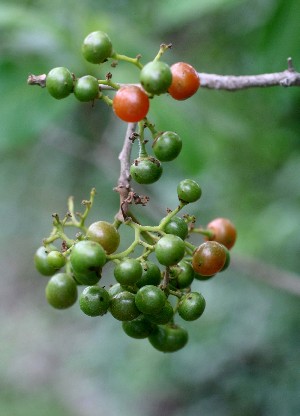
149,288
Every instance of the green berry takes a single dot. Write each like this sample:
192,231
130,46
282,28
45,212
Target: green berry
94,301
97,47
184,275
164,316
150,299
138,328
177,226
86,88
188,191
128,272
191,306
87,256
87,277
151,275
169,250
56,259
105,234
41,262
59,82
156,77
61,291
168,338
123,307
146,170
167,146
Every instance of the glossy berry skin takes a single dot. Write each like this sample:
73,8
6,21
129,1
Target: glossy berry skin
146,170
169,250
227,262
59,82
156,77
128,272
105,234
41,262
168,338
115,289
123,307
191,306
185,81
87,277
224,232
162,317
94,301
138,328
209,258
87,256
177,226
97,47
185,275
131,104
56,259
151,275
61,291
188,191
150,299
167,146
86,88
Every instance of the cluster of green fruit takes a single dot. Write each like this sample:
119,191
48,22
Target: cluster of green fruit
149,290
131,103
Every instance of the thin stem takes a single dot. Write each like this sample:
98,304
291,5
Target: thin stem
163,48
135,61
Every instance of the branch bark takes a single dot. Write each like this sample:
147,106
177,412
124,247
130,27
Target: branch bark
123,186
288,78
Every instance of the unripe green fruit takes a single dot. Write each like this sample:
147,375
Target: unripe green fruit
168,338
105,234
146,170
41,262
167,146
164,316
123,307
56,259
169,250
138,328
94,301
151,275
177,226
156,77
59,82
191,306
188,191
61,291
150,299
97,47
87,256
86,88
128,271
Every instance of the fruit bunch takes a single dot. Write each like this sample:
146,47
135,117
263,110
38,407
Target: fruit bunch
148,289
153,276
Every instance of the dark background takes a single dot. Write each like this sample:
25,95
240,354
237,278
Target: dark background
243,148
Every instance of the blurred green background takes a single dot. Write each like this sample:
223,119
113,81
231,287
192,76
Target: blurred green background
244,150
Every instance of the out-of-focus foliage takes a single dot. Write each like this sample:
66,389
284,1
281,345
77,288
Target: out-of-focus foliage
243,148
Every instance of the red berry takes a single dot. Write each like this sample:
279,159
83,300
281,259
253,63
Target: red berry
185,81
